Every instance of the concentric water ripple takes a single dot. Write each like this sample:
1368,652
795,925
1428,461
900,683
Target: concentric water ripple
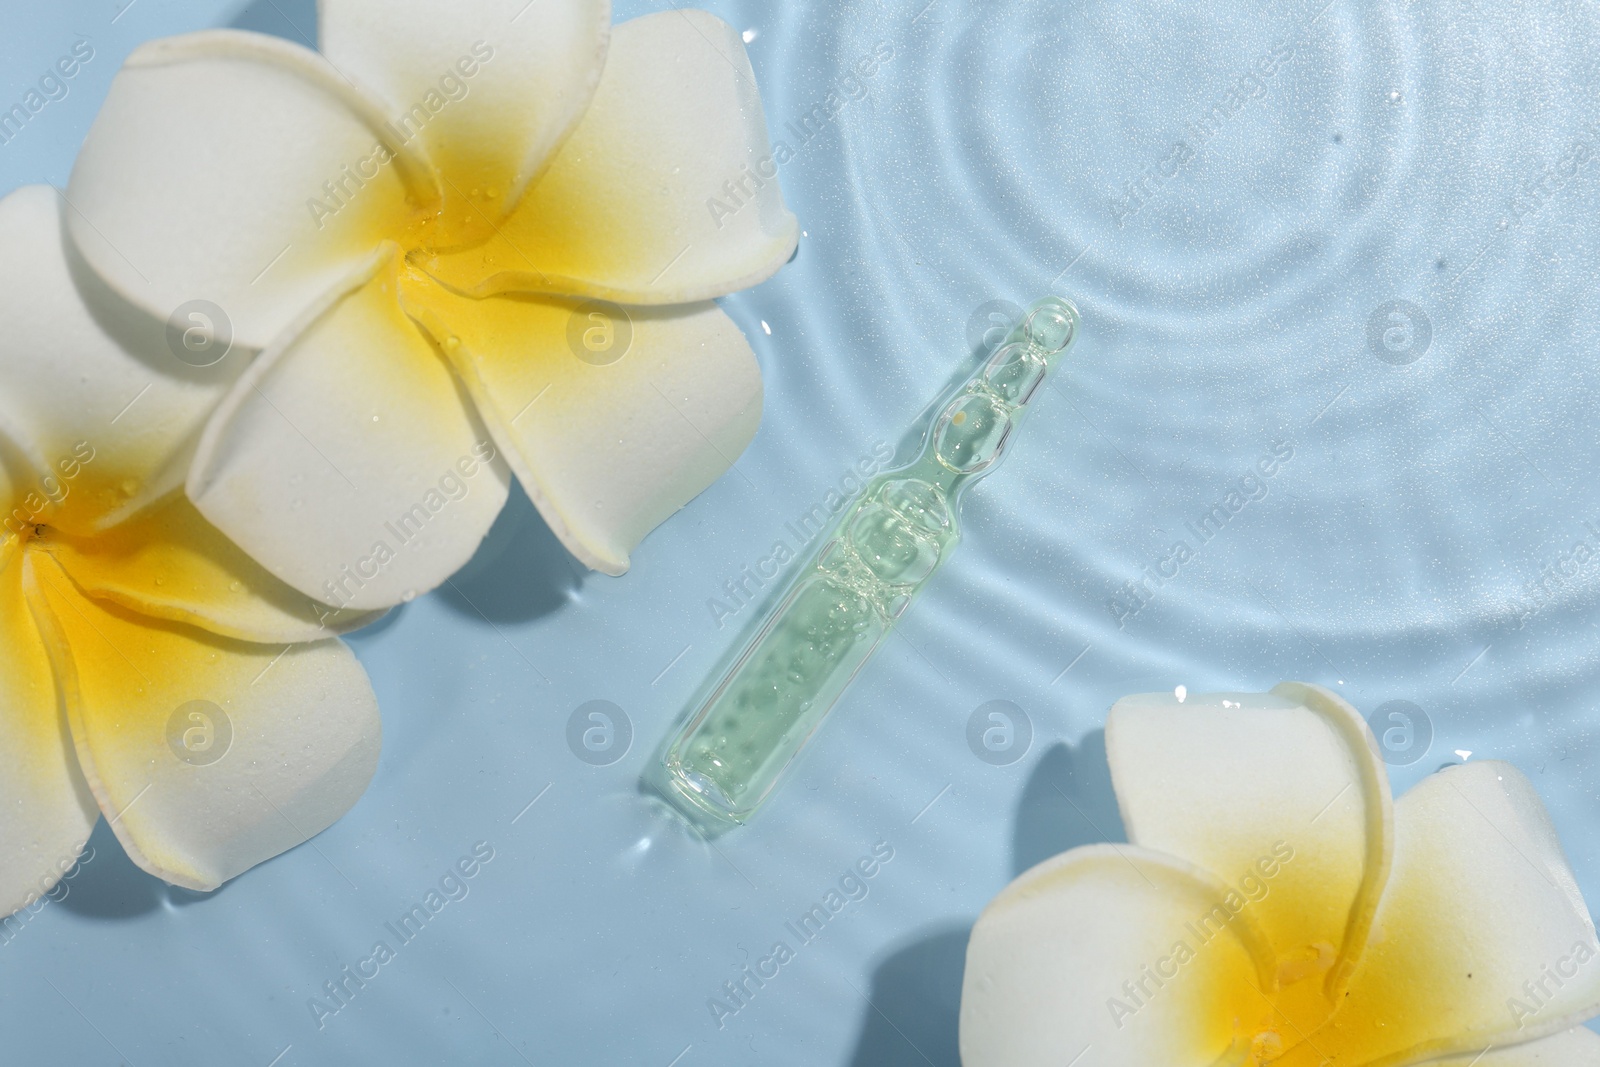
1231,199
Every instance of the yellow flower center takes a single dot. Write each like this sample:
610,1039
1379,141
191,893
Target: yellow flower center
476,211
465,218
1298,1026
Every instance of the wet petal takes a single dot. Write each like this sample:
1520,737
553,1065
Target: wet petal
237,169
1482,938
606,450
642,205
169,562
487,88
207,755
1282,795
1097,948
46,805
89,391
347,460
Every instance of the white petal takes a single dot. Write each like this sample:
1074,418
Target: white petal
282,741
347,461
168,562
606,451
200,178
1095,949
488,87
105,411
47,809
1235,782
1571,1048
1482,938
628,209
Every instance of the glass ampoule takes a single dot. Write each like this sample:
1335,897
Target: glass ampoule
735,747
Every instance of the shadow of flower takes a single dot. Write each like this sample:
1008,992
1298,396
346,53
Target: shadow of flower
293,20
915,1007
519,573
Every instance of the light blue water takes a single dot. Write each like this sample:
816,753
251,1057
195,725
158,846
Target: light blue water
1420,153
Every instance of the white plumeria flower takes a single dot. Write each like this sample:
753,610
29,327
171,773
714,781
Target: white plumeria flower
408,225
149,669
1275,905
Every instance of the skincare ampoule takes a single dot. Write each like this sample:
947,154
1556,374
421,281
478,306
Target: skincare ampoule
741,738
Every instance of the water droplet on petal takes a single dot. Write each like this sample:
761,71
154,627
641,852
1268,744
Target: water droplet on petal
1266,1046
408,596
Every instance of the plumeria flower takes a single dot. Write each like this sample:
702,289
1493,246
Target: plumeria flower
1276,906
414,227
149,670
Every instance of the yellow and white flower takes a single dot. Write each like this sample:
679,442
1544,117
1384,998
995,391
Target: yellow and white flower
149,670
408,224
1275,905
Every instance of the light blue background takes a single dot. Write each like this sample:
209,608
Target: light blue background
1390,157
